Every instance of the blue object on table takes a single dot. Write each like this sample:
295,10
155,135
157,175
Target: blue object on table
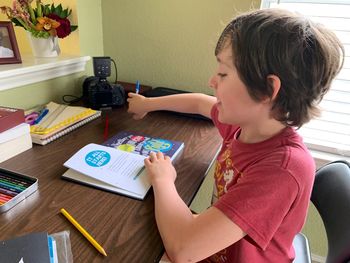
41,116
137,87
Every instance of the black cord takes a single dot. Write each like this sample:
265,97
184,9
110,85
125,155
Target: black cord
116,71
73,100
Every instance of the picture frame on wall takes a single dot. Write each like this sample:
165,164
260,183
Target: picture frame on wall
9,52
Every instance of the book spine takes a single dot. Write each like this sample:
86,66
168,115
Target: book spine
10,118
14,132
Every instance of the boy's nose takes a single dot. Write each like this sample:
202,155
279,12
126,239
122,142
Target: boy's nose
212,82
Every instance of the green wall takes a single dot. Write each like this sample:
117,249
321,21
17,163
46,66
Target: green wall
166,43
316,233
90,29
29,96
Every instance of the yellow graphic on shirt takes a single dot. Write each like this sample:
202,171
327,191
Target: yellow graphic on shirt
228,162
217,173
226,154
225,174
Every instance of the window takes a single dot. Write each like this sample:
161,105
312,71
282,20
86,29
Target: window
331,131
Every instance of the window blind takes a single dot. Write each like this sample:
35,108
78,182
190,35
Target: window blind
331,131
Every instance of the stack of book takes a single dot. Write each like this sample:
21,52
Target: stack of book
56,120
14,133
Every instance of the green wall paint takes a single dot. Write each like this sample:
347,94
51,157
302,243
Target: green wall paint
316,233
29,96
90,30
167,43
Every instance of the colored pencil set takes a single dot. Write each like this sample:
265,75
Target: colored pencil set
11,186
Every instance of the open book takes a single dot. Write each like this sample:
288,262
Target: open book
118,165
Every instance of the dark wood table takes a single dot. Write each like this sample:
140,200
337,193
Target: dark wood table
125,227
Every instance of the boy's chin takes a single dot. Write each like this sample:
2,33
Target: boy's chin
224,120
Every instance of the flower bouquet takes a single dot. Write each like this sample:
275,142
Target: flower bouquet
44,21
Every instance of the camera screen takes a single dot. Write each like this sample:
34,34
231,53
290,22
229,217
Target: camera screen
104,98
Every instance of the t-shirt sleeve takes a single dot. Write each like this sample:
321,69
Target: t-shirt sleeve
259,201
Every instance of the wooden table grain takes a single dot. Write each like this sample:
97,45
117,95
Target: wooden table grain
125,227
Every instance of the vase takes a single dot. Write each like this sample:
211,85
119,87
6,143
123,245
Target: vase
44,47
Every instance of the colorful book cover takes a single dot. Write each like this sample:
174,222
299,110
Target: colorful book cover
142,144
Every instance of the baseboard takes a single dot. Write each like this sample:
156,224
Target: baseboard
317,258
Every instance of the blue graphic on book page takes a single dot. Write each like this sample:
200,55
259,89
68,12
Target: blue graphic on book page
97,158
109,165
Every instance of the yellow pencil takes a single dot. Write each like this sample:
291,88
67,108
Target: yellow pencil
84,232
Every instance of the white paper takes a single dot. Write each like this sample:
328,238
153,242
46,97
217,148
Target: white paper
109,165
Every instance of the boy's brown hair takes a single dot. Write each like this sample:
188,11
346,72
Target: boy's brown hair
304,55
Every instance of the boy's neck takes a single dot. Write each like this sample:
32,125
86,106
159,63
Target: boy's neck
259,133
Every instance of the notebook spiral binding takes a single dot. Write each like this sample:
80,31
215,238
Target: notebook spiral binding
67,130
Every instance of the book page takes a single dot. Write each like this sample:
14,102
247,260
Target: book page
109,165
75,176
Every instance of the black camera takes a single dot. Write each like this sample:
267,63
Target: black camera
98,92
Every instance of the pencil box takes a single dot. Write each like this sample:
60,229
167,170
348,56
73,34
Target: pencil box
15,187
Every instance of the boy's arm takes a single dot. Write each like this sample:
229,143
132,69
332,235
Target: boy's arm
196,103
187,238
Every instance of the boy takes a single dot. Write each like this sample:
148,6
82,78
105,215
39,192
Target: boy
273,69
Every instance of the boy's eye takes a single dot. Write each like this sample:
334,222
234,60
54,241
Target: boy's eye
221,75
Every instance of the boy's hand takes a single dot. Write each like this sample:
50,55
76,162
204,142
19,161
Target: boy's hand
137,105
159,168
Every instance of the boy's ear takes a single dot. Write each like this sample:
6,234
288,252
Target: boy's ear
274,82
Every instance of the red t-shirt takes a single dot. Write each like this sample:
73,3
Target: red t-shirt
265,189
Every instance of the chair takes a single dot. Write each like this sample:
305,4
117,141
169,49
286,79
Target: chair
331,197
302,249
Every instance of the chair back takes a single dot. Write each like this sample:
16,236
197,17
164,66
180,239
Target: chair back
331,197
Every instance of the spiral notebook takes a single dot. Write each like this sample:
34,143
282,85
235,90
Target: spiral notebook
60,120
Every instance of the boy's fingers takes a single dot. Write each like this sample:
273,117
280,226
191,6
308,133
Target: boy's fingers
160,155
131,94
152,156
